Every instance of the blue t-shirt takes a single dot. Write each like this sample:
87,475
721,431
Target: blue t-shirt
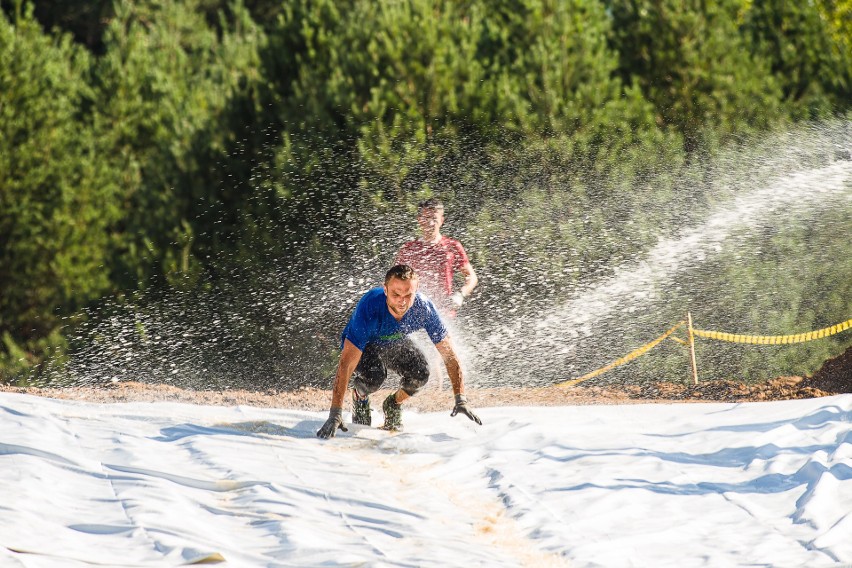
372,322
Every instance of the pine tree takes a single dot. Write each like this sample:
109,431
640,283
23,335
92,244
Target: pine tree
56,195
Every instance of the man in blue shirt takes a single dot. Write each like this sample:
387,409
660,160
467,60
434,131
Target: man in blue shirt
376,339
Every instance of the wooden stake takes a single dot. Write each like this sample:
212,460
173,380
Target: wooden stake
691,339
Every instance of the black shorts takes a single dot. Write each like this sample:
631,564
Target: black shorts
402,357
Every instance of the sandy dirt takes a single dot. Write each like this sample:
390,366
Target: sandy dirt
834,377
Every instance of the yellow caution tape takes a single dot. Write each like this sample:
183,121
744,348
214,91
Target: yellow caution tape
629,357
775,339
721,336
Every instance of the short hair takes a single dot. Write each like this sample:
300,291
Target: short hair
401,271
431,203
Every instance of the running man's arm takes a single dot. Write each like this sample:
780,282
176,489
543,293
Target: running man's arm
451,361
349,358
470,279
403,255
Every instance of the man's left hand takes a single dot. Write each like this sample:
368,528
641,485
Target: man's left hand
457,299
461,406
335,421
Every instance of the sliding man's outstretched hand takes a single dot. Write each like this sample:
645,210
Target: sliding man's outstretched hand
461,406
335,421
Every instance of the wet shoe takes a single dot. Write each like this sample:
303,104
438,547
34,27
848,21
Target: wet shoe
393,414
361,409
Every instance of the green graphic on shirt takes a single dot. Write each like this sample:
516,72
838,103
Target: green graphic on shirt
392,337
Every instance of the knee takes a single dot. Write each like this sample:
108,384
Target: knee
368,383
415,380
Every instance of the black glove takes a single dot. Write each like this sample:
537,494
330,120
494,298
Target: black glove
461,406
335,421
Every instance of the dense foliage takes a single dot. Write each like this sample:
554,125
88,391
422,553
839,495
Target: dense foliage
201,149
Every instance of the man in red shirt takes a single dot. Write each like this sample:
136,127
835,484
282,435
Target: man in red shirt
437,258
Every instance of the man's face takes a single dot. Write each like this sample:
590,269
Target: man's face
400,295
430,221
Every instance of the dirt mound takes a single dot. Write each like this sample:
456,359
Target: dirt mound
435,400
782,388
835,376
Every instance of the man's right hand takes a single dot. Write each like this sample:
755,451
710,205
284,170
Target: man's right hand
335,421
463,408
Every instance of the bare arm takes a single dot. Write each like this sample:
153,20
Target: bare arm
349,358
470,280
400,255
451,361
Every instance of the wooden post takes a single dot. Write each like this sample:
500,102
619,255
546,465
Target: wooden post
691,339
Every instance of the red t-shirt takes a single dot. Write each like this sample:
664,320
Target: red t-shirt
435,264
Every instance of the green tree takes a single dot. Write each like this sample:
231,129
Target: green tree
85,21
56,194
167,78
838,14
692,63
813,67
424,88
